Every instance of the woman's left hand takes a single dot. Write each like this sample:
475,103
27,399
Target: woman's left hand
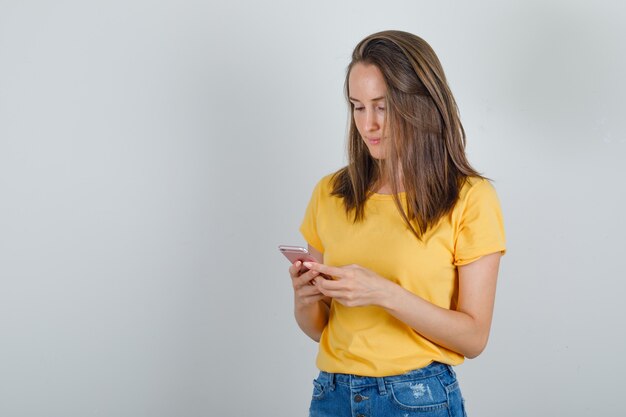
353,285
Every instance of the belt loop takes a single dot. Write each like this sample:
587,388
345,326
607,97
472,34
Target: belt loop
451,370
381,386
331,381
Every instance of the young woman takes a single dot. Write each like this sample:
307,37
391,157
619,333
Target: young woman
412,237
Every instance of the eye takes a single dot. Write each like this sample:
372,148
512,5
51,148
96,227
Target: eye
359,108
381,108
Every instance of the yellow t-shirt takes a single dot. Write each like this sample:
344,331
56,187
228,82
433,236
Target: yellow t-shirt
368,341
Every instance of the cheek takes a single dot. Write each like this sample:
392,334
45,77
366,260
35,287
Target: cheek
359,121
381,120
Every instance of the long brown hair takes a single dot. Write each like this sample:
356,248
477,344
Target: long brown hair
427,140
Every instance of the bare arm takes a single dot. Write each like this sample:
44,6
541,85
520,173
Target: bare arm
311,307
464,330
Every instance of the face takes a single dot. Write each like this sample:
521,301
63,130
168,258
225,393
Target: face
367,94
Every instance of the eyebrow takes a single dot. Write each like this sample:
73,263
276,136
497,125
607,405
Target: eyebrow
374,99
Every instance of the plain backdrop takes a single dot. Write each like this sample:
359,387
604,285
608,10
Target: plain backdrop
153,154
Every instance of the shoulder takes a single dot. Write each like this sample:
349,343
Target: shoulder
326,184
477,197
476,188
478,220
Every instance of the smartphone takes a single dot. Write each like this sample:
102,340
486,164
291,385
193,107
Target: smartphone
298,253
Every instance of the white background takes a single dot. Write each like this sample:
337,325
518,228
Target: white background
153,154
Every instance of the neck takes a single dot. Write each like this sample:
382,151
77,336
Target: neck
384,187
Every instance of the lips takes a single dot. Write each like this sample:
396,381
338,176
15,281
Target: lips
373,141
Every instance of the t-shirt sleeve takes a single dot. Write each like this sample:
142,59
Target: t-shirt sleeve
481,227
308,228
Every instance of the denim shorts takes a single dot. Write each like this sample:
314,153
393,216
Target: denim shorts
432,391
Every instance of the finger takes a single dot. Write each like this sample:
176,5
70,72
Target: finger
334,294
325,269
330,288
294,269
335,290
308,276
305,295
305,278
320,277
308,291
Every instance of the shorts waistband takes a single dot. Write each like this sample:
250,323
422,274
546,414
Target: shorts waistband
354,381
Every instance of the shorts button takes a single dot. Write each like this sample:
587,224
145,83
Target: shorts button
358,399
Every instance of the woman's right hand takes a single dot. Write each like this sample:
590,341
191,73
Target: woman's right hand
311,307
304,288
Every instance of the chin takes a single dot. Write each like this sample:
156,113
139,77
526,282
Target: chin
376,154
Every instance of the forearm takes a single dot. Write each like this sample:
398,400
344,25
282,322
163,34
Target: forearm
312,318
455,330
464,330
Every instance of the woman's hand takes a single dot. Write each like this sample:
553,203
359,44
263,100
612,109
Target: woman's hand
353,285
305,291
311,307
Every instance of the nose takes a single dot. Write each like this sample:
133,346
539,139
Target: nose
371,121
